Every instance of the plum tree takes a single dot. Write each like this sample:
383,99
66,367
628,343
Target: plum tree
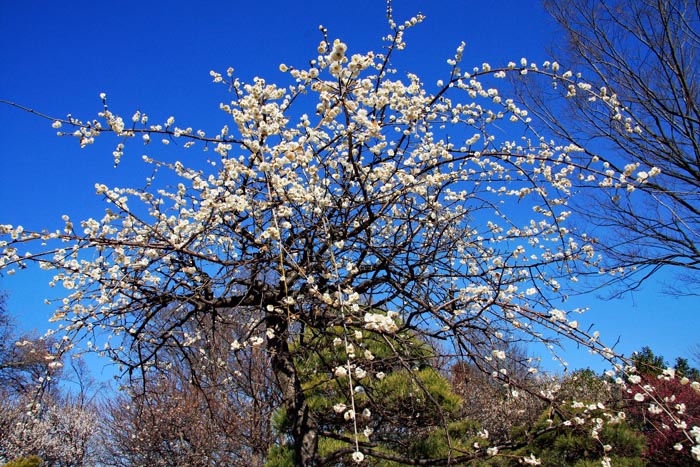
355,198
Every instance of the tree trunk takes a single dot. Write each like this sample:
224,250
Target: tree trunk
304,430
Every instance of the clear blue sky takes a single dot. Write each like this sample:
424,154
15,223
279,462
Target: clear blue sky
57,57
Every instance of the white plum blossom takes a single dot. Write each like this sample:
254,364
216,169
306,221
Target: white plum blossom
360,373
339,408
634,379
531,460
380,322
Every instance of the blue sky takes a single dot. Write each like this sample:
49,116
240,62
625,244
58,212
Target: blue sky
58,57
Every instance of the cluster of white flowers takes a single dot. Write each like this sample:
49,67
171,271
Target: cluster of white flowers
695,450
531,460
383,322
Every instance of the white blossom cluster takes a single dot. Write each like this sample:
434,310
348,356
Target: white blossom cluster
381,322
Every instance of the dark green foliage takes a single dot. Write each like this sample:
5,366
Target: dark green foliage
402,405
647,363
577,448
650,364
571,444
435,443
280,456
683,369
30,461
